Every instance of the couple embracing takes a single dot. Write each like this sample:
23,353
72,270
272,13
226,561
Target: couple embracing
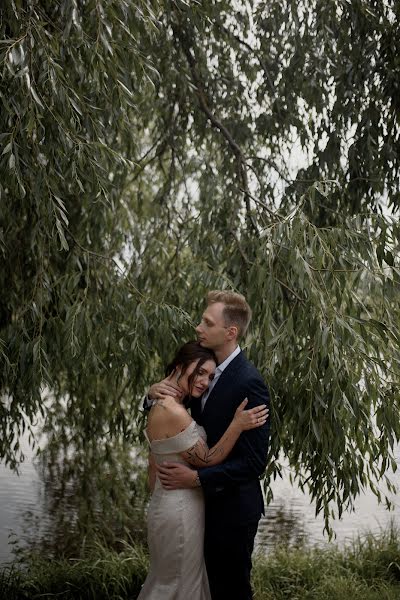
205,466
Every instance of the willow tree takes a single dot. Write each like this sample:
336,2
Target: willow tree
153,150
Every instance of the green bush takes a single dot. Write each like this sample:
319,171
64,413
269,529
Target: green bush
369,569
103,575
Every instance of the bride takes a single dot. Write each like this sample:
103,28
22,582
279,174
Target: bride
176,517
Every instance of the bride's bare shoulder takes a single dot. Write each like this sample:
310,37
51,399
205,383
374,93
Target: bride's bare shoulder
168,403
169,408
170,415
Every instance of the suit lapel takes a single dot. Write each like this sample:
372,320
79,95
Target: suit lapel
225,382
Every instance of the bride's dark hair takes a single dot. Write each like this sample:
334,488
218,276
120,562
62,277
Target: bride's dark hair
187,354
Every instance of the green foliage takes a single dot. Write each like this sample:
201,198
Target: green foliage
90,492
368,570
103,574
153,150
330,320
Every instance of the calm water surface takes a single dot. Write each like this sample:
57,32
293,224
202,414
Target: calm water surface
289,518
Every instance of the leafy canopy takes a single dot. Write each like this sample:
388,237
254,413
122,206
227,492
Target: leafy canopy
153,150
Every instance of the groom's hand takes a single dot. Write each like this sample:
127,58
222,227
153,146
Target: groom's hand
174,476
166,387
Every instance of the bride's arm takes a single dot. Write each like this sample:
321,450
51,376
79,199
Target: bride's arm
200,455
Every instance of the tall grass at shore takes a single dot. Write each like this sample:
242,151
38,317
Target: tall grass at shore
369,569
103,574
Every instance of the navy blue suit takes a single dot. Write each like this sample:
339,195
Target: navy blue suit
233,497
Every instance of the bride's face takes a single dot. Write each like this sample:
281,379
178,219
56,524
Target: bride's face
203,376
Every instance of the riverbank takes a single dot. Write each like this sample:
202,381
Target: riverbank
369,569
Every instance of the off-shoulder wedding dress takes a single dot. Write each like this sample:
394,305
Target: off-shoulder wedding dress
175,523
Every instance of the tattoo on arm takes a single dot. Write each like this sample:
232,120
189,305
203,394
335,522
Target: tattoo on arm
159,402
200,455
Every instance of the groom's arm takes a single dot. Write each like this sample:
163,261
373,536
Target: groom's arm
250,453
163,388
250,465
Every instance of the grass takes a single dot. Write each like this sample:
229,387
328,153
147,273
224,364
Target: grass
103,575
367,570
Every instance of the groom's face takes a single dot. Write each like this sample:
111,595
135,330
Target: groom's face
212,331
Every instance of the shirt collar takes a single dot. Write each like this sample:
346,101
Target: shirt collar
226,362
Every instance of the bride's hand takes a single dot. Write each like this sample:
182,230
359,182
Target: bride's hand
252,418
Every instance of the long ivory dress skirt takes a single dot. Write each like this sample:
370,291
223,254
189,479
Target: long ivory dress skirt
175,526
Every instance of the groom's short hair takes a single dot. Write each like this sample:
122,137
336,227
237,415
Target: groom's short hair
236,311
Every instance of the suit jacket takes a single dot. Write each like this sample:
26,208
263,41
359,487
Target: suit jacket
232,489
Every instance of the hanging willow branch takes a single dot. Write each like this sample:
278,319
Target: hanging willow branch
189,52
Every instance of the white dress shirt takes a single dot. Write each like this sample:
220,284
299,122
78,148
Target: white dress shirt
218,371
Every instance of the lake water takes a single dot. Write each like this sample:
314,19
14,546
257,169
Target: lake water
289,518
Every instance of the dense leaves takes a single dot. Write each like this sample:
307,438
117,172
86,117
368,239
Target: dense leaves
153,150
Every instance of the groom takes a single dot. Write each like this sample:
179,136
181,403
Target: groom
232,491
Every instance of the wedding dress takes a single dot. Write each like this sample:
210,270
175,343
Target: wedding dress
175,530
